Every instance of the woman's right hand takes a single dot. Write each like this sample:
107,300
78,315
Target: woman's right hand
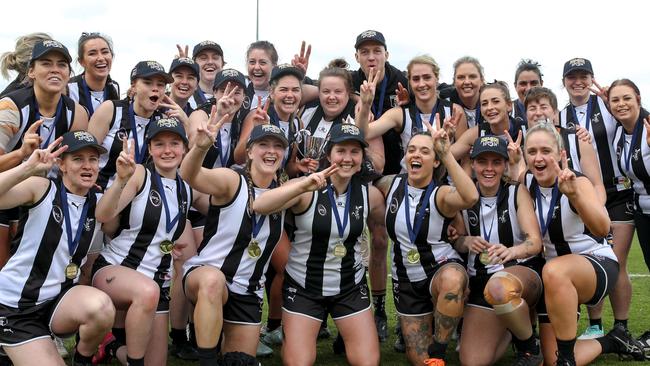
226,104
125,163
368,87
31,140
476,244
206,132
260,114
41,160
318,180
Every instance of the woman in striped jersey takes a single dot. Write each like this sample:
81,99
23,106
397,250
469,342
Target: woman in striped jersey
94,85
134,269
581,267
38,296
225,279
324,272
504,264
429,279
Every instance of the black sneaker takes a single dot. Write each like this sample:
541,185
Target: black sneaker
184,351
645,341
324,333
628,347
338,346
382,327
528,359
399,345
564,362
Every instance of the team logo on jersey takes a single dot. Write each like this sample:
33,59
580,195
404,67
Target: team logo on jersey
363,290
122,134
88,225
571,126
636,154
321,209
247,102
393,100
472,218
618,152
503,218
555,210
57,214
393,205
356,212
154,198
595,118
3,322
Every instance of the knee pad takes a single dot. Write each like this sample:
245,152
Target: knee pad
503,290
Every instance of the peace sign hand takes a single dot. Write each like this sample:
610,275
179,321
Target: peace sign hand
402,95
368,87
41,160
514,147
227,104
125,163
441,142
301,61
261,115
206,132
603,93
182,52
32,139
566,178
175,111
318,180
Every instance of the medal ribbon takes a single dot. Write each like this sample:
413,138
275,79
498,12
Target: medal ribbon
139,152
418,117
57,115
627,151
341,226
379,109
257,222
543,224
414,229
587,117
223,153
487,234
73,242
86,91
169,222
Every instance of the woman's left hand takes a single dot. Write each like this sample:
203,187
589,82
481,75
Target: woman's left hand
175,111
499,253
307,165
566,178
301,60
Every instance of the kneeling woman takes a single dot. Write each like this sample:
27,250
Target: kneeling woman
324,272
429,280
581,267
38,296
504,264
225,279
134,269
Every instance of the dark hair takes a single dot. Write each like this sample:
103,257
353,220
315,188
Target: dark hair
538,93
85,37
337,68
265,46
528,65
626,82
502,86
440,171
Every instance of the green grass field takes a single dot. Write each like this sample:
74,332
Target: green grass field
638,323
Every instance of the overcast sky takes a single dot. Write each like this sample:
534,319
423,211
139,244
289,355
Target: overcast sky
613,35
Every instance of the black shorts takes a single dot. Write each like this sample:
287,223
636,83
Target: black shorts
606,276
8,216
296,300
163,299
477,283
196,219
20,326
620,206
415,298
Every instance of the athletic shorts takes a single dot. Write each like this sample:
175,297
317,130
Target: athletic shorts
296,300
196,219
8,216
239,309
20,326
163,299
606,276
477,283
415,298
620,206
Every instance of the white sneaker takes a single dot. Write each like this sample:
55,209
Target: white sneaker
60,347
592,332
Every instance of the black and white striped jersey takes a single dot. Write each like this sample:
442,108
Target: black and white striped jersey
227,237
317,260
36,271
633,159
495,220
431,245
566,232
596,119
120,127
142,227
90,99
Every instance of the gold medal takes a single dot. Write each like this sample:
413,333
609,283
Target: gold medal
484,258
166,246
413,256
254,250
339,250
71,271
627,183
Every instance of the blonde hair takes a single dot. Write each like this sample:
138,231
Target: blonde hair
549,129
424,60
18,60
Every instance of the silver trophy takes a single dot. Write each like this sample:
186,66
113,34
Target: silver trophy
310,146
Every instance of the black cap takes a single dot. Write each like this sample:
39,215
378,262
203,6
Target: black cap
286,69
46,46
166,124
370,35
229,75
145,69
187,62
261,131
77,140
492,144
577,64
346,132
206,45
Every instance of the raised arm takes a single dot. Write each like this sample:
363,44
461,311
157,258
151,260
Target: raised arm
254,118
101,120
80,122
591,168
31,142
393,118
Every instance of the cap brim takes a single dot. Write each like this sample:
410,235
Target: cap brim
288,71
167,77
183,136
102,150
579,68
350,138
65,54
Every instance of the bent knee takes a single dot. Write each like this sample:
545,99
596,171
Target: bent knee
212,284
452,279
99,309
502,288
148,295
